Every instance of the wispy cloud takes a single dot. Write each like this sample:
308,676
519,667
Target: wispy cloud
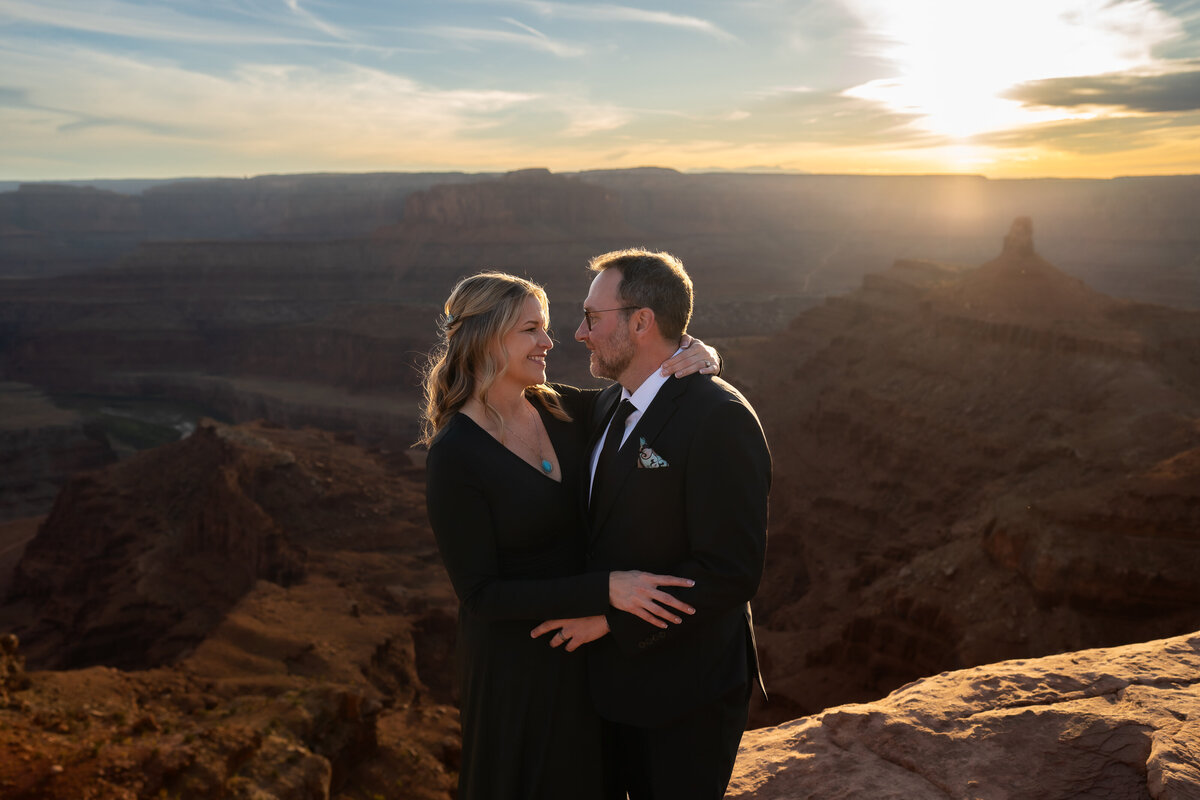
588,118
527,38
158,23
315,21
608,12
260,112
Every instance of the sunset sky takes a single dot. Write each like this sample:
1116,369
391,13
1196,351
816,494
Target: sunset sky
1022,88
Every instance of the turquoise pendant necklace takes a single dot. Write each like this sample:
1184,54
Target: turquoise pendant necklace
540,450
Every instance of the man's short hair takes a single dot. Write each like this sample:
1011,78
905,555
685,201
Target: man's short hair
652,280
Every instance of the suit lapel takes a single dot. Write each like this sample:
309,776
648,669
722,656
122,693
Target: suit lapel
661,409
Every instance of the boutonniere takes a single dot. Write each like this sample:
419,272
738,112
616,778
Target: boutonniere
647,458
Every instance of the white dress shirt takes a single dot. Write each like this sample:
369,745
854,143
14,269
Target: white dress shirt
641,400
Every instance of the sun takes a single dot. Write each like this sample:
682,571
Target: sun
953,62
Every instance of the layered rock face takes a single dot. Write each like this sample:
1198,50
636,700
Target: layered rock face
521,205
1119,722
329,206
972,466
278,602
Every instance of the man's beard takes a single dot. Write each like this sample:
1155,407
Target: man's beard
613,363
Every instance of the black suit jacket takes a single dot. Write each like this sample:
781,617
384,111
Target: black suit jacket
702,516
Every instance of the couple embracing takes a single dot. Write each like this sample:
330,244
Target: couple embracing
604,546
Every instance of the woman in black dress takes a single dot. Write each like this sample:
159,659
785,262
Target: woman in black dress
503,491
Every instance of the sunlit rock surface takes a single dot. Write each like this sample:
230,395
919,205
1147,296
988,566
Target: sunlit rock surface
1120,722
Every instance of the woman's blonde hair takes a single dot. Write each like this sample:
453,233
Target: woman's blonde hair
466,362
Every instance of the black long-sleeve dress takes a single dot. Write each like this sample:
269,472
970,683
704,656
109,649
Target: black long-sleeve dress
512,540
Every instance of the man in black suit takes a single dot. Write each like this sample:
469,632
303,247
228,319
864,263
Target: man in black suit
680,488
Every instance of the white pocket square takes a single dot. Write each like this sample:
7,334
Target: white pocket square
647,458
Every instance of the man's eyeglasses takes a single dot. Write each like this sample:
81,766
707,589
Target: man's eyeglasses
587,315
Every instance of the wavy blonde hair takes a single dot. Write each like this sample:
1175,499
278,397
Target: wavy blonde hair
466,362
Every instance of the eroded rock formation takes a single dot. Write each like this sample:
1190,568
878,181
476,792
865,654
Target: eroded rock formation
277,601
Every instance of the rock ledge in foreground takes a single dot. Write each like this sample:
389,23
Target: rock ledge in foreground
1118,722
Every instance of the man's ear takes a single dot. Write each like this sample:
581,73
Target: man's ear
644,321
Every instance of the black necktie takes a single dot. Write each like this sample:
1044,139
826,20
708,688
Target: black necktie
612,443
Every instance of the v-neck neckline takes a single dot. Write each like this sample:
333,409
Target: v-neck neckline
549,441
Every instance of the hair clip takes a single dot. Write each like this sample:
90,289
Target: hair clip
449,318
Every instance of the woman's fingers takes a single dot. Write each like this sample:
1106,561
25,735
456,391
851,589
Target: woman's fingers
665,580
639,594
673,602
697,359
648,615
660,613
546,627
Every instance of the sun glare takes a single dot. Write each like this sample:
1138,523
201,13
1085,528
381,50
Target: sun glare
954,60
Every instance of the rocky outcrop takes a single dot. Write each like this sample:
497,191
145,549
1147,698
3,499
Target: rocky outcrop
1020,287
134,564
278,597
1146,524
1018,242
111,735
1116,722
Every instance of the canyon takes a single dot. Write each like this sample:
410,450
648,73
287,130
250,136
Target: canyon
985,456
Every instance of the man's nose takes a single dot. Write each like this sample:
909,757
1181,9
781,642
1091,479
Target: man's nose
582,331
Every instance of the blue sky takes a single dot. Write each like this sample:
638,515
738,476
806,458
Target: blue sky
122,88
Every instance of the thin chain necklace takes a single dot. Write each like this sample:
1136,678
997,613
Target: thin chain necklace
540,450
